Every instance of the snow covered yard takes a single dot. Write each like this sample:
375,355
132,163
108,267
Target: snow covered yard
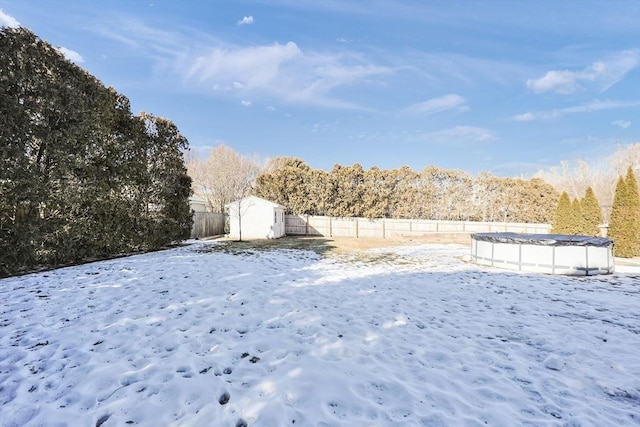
410,336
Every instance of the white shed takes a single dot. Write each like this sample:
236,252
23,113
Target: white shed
255,218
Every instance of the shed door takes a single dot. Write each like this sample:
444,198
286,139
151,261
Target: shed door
278,223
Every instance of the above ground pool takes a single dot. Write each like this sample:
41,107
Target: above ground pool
544,253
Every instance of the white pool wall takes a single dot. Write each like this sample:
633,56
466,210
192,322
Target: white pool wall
582,260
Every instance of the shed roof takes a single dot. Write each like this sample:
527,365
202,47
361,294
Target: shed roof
255,199
197,199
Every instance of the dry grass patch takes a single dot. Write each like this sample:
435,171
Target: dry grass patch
345,244
337,245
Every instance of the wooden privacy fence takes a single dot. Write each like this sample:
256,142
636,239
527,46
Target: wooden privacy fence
307,225
207,224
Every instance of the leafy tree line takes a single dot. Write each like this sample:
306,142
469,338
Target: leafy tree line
434,193
80,176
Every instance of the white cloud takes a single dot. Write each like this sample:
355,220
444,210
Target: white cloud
346,40
246,20
458,135
621,123
614,70
8,21
558,81
253,67
595,105
436,105
159,44
71,55
602,74
279,72
245,103
283,71
526,117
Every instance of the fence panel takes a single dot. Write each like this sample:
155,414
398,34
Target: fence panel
371,227
343,227
306,225
319,226
207,224
295,225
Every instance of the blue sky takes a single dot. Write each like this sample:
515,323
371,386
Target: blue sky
503,86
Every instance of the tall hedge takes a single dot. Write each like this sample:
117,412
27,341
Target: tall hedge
624,224
433,193
80,176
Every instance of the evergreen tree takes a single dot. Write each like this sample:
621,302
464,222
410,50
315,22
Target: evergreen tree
576,219
378,193
591,213
537,201
633,201
624,224
347,184
289,184
169,186
79,177
562,217
617,220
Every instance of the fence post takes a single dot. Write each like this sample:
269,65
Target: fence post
330,228
356,228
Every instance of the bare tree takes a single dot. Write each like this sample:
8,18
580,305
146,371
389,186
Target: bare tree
600,174
195,169
224,177
625,156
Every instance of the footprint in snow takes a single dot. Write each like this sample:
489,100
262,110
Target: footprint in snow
224,398
254,359
103,419
185,371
